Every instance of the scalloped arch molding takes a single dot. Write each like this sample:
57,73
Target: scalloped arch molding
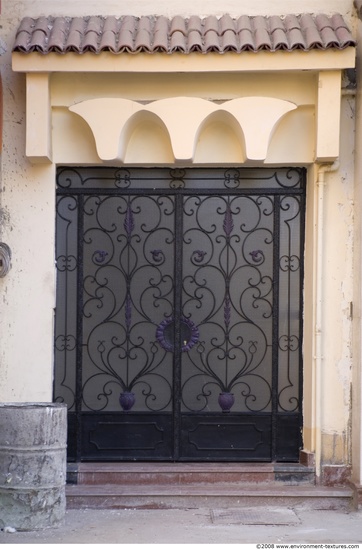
251,121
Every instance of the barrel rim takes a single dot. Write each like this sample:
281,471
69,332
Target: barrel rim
32,405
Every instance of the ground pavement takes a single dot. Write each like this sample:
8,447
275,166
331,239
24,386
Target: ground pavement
199,526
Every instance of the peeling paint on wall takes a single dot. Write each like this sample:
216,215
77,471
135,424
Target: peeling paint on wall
335,448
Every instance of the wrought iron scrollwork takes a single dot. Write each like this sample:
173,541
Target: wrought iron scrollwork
235,263
66,331
127,290
231,298
289,332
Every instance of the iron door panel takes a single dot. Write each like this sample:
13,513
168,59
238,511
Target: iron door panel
111,436
227,300
178,326
235,438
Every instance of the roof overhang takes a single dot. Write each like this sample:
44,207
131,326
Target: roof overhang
331,50
315,60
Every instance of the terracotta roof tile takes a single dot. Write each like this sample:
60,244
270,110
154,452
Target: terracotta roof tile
178,42
211,23
229,41
227,24
243,22
178,24
57,38
212,41
72,41
279,40
126,40
275,23
291,22
60,26
160,43
323,21
313,37
128,23
246,39
296,40
343,36
262,37
145,24
338,21
111,25
329,37
108,41
26,25
143,41
178,34
36,38
41,24
95,24
195,23
195,39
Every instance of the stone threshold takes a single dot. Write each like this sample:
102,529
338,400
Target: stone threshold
130,473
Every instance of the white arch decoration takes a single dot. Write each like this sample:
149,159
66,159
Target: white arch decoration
182,117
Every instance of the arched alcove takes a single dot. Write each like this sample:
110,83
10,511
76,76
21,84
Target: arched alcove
221,138
145,139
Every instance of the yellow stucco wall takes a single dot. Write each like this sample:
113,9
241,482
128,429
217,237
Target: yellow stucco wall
28,199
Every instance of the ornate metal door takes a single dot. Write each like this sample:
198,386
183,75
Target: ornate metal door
178,318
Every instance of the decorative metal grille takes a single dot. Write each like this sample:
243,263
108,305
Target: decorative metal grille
179,291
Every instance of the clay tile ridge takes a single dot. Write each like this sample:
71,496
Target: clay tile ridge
130,34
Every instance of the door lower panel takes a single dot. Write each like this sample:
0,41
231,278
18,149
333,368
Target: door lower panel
209,437
111,436
114,437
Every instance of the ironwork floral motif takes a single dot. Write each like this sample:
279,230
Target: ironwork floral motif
234,257
189,334
119,297
228,364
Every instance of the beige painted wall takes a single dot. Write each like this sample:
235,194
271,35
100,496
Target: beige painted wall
357,309
27,226
27,206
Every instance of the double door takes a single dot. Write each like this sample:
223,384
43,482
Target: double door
178,318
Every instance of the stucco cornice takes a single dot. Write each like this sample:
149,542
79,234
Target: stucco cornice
107,62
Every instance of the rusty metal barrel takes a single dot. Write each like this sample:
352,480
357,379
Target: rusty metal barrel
32,465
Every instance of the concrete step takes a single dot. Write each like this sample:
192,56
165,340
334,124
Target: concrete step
201,495
193,485
131,473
